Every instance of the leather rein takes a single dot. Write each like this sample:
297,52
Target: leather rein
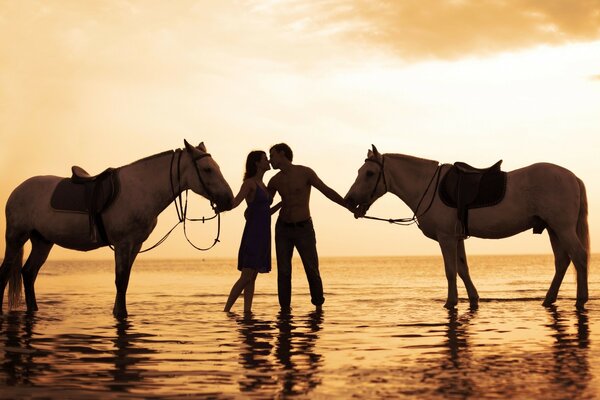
415,218
181,206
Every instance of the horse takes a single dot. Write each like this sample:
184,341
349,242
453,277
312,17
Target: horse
541,195
146,188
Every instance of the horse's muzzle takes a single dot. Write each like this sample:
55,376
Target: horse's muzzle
224,203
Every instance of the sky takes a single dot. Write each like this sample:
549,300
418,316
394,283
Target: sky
103,83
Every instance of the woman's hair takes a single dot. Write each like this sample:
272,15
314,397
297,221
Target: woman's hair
251,161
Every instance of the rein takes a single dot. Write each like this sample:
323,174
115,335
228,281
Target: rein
415,218
181,207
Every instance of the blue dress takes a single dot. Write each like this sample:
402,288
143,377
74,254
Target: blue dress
255,248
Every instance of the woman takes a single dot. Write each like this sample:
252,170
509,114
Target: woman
255,250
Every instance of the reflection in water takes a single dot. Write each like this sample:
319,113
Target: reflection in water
295,351
256,336
571,369
127,374
280,355
454,373
23,362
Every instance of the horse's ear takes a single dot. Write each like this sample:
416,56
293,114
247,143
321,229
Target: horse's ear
202,147
375,150
188,146
370,154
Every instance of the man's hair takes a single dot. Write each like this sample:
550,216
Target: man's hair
285,149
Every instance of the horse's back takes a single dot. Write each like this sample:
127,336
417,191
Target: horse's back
32,194
547,188
41,185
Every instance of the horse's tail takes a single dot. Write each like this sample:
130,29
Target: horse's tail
583,231
15,287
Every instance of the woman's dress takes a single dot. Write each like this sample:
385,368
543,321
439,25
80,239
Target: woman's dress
255,248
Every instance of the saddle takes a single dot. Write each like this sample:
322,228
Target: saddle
465,187
91,195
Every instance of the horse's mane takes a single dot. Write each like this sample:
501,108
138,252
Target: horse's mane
164,153
410,158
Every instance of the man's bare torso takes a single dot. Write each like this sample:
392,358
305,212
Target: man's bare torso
294,187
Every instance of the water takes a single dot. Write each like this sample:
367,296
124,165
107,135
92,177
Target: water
383,333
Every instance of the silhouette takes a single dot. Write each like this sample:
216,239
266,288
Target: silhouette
295,352
127,353
571,369
255,249
146,188
22,361
541,196
294,227
255,357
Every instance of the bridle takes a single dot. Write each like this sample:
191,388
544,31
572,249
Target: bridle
380,177
403,221
181,206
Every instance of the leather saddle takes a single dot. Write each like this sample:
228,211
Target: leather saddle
91,195
465,187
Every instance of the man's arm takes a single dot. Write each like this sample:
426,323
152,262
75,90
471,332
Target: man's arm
331,194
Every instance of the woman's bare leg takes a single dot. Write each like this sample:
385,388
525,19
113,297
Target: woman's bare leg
247,275
249,293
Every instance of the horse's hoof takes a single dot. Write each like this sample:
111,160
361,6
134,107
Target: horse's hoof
580,304
474,305
450,306
548,303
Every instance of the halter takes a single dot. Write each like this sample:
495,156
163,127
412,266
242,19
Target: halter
415,217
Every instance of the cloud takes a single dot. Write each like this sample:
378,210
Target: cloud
595,77
425,29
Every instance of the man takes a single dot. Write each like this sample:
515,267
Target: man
294,227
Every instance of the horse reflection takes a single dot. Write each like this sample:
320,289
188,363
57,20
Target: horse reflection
295,352
23,362
454,373
128,353
571,369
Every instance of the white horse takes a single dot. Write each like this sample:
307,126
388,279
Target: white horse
147,187
540,193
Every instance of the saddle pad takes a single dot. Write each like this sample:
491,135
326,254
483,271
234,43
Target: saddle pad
76,197
488,191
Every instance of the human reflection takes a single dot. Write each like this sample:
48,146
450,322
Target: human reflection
22,362
454,374
128,355
571,369
257,337
295,352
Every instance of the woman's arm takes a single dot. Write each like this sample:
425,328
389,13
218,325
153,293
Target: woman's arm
245,190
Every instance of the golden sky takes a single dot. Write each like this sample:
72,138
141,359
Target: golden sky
103,83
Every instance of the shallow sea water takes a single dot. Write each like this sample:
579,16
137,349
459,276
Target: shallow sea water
383,333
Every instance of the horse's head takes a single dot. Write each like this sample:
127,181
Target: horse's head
369,184
205,177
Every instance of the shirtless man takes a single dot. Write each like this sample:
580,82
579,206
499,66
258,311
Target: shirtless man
294,227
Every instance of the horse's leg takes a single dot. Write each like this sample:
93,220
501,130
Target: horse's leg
463,272
124,257
561,264
579,255
40,248
449,246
